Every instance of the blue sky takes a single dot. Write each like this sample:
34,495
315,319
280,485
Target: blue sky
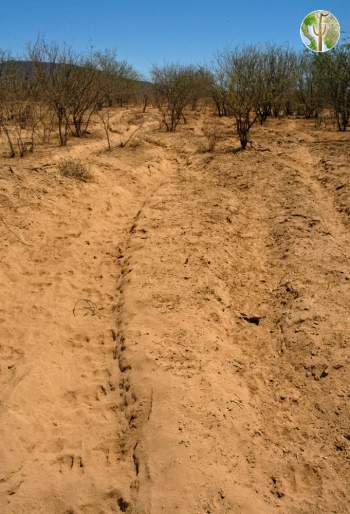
158,31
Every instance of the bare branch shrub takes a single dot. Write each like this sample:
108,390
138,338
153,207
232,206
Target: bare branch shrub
173,86
240,72
333,81
75,87
307,87
278,76
219,90
117,79
201,84
53,72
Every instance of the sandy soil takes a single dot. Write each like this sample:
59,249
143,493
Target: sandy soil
174,335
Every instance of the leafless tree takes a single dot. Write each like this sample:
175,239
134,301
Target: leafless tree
333,82
68,83
54,74
240,71
277,76
173,89
219,89
6,80
118,81
85,94
307,90
201,84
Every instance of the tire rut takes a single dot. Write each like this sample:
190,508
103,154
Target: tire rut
136,400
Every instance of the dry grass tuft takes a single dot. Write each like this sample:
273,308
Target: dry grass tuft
74,168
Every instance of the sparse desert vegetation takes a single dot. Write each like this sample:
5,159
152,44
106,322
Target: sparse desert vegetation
174,333
74,168
55,91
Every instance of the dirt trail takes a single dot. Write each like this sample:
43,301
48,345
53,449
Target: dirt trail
205,366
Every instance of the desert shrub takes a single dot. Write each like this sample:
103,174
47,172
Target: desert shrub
74,168
173,89
75,86
219,93
117,80
240,69
201,86
309,100
333,78
277,78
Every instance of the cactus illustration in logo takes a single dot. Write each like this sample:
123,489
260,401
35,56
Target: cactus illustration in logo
320,31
